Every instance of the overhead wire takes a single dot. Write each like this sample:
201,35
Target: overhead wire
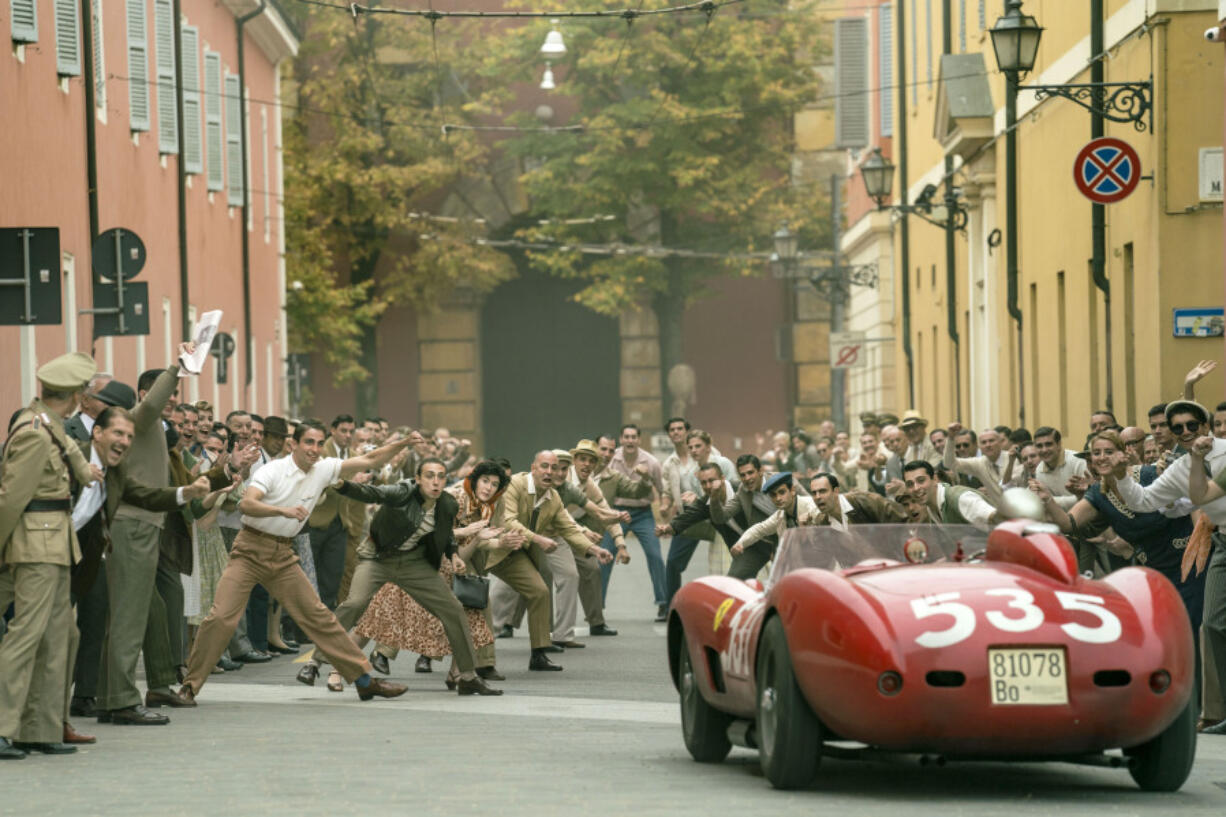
355,9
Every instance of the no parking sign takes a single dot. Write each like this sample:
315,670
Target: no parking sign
1107,170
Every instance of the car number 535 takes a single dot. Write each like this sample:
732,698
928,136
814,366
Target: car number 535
1020,615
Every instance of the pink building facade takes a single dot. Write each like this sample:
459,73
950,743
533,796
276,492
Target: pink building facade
125,51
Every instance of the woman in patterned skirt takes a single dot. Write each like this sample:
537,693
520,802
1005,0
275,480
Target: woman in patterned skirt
397,622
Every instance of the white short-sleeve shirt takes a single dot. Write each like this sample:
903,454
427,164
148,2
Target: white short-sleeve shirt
286,485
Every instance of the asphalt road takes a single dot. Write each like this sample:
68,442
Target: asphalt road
602,737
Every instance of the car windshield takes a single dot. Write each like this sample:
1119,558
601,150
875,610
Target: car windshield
829,549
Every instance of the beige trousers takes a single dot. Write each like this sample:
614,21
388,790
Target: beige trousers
259,559
34,656
522,575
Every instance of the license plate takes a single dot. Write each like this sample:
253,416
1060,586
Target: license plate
1028,675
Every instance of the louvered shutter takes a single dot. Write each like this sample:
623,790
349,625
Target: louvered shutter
67,39
234,143
24,15
214,137
193,160
138,66
164,59
885,70
851,82
99,61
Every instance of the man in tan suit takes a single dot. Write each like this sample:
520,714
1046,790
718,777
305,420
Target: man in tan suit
38,547
530,505
988,468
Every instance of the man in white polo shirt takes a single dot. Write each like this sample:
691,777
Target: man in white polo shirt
278,500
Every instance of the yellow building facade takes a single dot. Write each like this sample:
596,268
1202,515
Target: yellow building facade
1163,242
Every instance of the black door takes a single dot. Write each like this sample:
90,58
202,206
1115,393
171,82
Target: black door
549,369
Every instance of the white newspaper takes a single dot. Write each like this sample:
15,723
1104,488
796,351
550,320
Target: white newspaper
206,328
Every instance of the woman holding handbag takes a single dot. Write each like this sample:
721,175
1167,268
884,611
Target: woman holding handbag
396,621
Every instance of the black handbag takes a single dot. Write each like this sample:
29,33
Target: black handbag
472,591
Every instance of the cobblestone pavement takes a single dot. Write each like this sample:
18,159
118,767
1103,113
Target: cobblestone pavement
600,738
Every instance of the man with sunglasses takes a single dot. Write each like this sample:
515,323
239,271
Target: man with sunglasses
1186,420
1189,420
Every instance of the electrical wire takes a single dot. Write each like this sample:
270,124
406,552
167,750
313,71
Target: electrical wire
354,9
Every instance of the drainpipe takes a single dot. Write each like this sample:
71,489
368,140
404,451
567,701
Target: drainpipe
904,224
1098,213
184,296
91,144
242,125
951,263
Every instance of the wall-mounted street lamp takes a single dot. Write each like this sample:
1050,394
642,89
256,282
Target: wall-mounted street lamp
1015,39
878,175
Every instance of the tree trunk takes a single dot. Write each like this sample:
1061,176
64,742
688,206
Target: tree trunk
669,307
366,392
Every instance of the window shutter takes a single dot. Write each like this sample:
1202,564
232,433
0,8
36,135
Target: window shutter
138,66
25,20
962,26
928,27
214,137
164,59
192,148
885,70
234,143
851,82
99,62
67,39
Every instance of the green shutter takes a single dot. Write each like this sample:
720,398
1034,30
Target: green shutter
164,60
214,136
234,142
192,148
25,20
67,39
138,66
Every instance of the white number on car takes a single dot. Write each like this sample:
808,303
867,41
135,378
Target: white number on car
1108,629
1030,617
944,604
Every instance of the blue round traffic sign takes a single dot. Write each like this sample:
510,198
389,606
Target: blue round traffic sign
1107,170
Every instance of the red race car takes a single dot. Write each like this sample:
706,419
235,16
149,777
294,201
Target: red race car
942,641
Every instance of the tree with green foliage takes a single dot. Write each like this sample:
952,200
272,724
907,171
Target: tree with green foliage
365,151
687,140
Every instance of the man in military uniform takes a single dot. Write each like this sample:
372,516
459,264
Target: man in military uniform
37,550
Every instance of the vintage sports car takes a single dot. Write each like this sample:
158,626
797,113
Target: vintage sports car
941,641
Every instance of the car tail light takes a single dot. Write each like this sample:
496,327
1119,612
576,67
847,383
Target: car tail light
1159,681
889,683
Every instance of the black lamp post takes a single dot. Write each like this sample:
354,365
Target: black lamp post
1015,39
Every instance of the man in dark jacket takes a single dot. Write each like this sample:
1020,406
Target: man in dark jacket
409,537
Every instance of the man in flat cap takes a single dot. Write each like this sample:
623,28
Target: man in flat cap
794,510
42,471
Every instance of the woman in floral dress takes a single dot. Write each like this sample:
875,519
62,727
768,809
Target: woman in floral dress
397,622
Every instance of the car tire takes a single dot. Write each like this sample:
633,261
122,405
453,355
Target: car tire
1164,763
789,735
704,728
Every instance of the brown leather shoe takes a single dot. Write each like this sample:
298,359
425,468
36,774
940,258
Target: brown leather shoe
381,688
154,699
476,686
188,694
73,737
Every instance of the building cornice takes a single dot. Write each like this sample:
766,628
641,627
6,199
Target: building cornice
270,30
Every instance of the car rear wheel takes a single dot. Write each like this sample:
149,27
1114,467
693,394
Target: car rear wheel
788,733
704,727
1164,763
